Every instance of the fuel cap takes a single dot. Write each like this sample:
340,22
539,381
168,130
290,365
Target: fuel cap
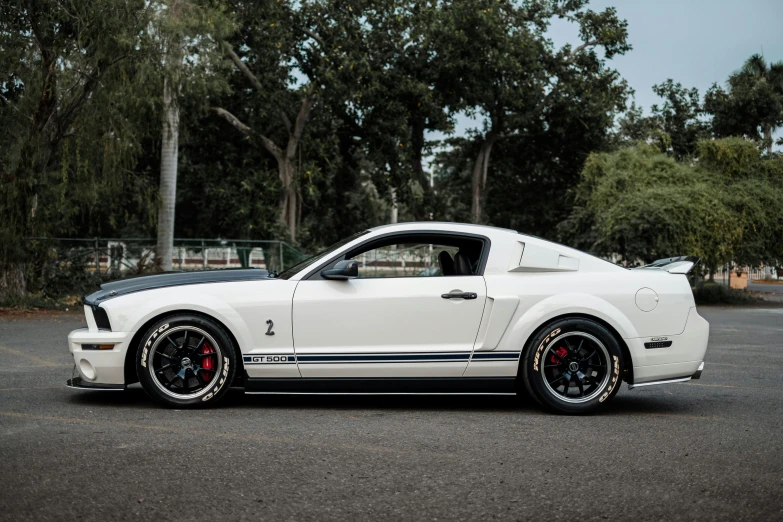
646,299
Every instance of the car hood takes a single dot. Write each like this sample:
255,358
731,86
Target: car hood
196,277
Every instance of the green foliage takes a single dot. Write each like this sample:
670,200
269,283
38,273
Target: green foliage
74,111
732,157
751,105
675,126
642,205
71,279
80,125
543,109
678,118
83,84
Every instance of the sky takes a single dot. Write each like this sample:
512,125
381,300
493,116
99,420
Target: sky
694,42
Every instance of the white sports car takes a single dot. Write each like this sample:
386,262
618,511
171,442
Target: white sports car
415,308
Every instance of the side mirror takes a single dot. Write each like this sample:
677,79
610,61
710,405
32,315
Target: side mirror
347,269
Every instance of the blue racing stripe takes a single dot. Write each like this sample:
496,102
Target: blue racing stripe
379,358
509,356
418,357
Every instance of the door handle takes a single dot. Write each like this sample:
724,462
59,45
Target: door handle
460,295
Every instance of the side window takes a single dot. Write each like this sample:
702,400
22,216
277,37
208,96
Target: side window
420,256
404,260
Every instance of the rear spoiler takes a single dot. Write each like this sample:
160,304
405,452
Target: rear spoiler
673,265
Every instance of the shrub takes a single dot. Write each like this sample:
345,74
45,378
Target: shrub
707,293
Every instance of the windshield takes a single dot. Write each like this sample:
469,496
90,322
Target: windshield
289,272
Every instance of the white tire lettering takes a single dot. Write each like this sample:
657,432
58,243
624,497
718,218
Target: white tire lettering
541,347
615,378
149,343
219,384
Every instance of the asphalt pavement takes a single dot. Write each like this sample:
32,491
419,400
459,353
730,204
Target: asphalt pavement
707,450
767,288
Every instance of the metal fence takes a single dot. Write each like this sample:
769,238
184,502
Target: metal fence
137,255
741,276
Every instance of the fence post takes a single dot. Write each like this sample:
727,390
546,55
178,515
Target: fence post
97,257
282,265
203,255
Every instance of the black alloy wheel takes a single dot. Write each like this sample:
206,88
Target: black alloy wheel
572,365
186,361
576,366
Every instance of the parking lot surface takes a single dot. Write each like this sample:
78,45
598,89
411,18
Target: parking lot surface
711,449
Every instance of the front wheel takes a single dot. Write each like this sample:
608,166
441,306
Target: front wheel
186,361
572,365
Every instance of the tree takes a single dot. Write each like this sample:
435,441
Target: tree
184,28
640,204
752,103
63,61
382,78
633,127
677,120
169,152
503,67
284,155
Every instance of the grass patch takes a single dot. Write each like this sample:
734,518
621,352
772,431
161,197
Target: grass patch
41,301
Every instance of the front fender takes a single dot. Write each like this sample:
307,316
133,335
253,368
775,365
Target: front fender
529,320
131,312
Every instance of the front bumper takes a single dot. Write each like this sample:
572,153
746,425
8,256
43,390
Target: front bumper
94,368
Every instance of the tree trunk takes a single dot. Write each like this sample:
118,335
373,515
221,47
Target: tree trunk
768,137
285,158
12,281
168,176
288,199
300,200
417,129
292,205
480,177
288,167
394,208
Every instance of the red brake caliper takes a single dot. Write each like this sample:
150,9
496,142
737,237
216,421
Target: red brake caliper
561,353
208,363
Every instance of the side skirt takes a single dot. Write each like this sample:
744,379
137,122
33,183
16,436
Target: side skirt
386,386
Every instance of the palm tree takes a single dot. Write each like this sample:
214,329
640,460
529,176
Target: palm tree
171,17
168,167
766,80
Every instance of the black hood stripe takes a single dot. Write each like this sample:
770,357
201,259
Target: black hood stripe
151,282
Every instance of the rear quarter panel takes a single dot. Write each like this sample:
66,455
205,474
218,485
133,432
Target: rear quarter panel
608,295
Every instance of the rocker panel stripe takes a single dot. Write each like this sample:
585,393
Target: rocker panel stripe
378,358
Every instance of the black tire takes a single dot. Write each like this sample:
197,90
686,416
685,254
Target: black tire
186,361
572,366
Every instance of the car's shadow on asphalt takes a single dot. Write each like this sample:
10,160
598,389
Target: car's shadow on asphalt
623,405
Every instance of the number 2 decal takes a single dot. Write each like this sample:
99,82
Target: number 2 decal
269,330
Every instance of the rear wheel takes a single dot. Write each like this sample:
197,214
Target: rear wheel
572,365
186,361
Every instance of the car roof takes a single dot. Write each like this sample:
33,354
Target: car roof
419,225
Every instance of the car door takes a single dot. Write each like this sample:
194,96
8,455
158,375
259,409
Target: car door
402,317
